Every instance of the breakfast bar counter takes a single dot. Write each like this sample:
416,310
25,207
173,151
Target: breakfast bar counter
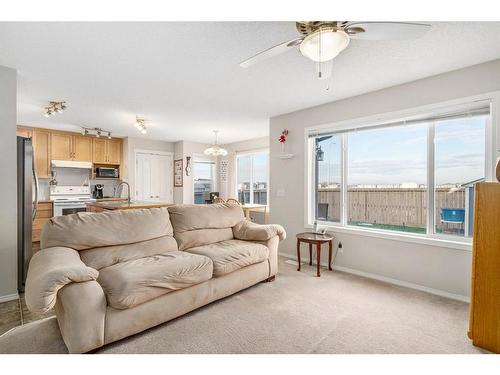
123,205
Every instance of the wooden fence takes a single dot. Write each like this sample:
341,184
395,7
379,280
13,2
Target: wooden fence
392,206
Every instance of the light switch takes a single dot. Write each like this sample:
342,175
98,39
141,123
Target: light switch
280,193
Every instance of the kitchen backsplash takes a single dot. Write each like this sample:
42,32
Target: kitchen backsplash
76,177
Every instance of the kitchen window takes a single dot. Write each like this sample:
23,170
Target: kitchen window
413,176
252,177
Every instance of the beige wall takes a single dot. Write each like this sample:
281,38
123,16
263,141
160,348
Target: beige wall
438,268
185,194
8,194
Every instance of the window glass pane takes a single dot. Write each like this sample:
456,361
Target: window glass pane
328,164
460,162
387,178
243,183
259,178
203,176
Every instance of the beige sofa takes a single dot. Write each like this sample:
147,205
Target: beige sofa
113,274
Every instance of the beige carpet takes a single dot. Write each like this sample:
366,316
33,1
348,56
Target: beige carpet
297,313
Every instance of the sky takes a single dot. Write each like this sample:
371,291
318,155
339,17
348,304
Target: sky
260,163
399,154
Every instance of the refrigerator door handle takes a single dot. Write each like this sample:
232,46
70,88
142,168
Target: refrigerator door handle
35,203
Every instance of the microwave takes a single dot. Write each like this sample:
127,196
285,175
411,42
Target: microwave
107,172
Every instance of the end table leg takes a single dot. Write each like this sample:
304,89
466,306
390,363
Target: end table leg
330,250
318,258
298,254
310,254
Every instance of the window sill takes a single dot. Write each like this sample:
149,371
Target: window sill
464,244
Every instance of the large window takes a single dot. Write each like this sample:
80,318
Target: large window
413,176
204,180
252,177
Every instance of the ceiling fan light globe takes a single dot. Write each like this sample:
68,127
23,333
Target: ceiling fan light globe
324,45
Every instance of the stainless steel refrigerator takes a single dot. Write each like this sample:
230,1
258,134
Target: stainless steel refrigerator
27,198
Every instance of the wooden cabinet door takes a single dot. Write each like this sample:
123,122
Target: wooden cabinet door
41,152
24,132
114,151
99,155
82,148
61,145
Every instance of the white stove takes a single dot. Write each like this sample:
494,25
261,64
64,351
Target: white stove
70,199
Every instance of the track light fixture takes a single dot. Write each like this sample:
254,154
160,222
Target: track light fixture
140,124
54,107
96,131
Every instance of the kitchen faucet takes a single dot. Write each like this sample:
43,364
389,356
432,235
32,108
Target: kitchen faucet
128,189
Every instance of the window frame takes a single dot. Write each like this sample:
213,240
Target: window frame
443,240
205,160
252,153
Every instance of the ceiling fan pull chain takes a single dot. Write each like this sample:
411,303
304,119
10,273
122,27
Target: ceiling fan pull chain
319,60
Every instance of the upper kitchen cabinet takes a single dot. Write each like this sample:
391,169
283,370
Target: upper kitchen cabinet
106,151
66,146
24,132
99,154
82,148
41,152
61,146
114,151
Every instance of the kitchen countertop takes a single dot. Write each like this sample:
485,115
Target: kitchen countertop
124,205
110,199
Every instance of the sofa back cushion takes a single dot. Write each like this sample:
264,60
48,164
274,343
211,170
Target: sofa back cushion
101,257
84,230
198,225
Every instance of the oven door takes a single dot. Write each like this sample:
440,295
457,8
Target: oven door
68,208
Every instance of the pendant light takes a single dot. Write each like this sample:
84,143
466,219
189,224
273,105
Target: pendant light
215,149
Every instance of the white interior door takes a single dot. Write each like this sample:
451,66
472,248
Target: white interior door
154,177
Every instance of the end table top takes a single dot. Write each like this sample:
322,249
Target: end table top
311,236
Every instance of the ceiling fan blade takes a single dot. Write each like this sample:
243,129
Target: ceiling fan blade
386,30
270,52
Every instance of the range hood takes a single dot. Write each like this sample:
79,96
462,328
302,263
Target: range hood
71,164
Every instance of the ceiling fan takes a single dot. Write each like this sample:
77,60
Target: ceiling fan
322,41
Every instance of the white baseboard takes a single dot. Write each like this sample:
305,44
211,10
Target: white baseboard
9,297
438,292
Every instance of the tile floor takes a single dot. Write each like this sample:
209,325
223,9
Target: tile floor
15,313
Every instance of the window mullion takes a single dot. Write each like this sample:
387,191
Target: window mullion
431,184
251,180
343,178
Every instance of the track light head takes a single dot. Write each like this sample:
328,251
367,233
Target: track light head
98,134
109,135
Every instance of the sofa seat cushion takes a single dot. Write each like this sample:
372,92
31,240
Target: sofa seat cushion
128,284
231,255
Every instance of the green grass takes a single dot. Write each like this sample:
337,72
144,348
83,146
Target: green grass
399,228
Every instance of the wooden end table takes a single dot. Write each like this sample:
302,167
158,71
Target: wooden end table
315,239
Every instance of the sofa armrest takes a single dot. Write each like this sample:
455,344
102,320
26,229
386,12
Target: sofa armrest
50,270
246,230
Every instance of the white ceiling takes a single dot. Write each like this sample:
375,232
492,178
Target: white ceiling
184,78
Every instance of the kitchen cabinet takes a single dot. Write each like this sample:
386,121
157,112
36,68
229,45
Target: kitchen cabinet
114,151
41,152
66,146
82,148
45,210
106,151
23,132
61,146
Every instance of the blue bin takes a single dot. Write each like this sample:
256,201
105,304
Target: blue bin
452,215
